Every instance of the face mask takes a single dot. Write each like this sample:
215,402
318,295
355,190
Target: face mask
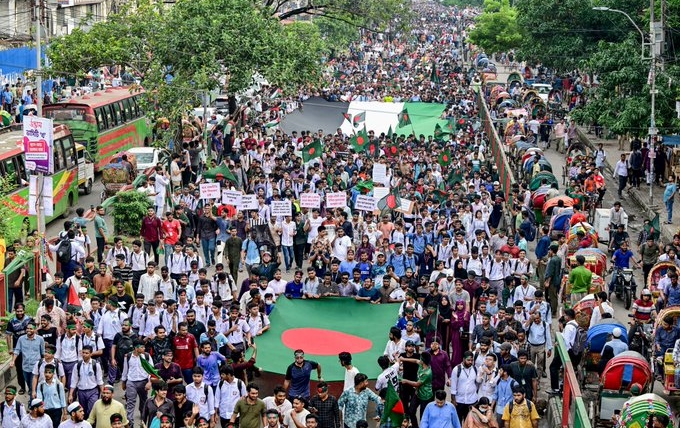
483,409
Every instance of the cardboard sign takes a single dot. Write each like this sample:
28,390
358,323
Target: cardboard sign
231,197
406,206
210,190
365,203
248,202
282,208
380,174
38,144
336,200
310,200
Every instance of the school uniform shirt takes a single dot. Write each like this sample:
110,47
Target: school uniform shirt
167,320
257,323
176,264
138,261
10,417
464,386
39,369
132,368
206,403
135,315
539,334
88,377
238,336
522,293
110,324
67,348
148,323
95,341
227,394
52,394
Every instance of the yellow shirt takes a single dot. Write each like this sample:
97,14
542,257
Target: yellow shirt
520,418
101,414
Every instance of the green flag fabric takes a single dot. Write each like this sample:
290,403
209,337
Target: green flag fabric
404,118
360,141
394,408
149,368
429,322
364,186
438,132
222,170
359,119
390,202
311,151
434,75
390,132
445,157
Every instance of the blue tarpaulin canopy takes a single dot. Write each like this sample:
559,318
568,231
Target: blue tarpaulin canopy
13,62
671,140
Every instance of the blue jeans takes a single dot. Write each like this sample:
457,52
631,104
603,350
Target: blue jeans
288,256
168,252
29,382
669,208
208,250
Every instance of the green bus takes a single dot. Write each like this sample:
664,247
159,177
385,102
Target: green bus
64,179
106,122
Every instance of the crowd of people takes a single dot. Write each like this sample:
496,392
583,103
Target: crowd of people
475,309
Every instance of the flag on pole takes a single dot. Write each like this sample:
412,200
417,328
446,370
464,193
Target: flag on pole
392,150
404,118
311,151
348,117
358,119
438,132
390,132
394,408
445,157
149,369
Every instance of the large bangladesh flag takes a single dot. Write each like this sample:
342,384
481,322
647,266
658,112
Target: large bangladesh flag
311,151
360,141
394,408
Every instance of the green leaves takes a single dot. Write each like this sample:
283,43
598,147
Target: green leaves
129,211
496,29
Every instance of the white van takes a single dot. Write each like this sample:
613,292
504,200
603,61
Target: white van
85,169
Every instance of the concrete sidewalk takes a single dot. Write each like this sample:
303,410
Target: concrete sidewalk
638,196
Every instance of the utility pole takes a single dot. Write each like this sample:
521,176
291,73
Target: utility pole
40,207
654,51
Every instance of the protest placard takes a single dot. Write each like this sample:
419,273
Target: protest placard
380,174
336,200
281,208
210,190
248,202
406,206
364,203
310,200
379,193
231,197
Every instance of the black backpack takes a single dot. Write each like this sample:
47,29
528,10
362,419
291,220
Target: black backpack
17,408
94,367
60,389
580,341
64,251
513,401
125,345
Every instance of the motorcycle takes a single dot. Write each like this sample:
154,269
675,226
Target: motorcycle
640,337
624,286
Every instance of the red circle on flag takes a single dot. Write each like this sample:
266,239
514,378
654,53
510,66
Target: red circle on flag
445,158
311,151
319,341
360,141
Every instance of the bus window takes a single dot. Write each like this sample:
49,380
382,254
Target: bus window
116,111
69,153
124,114
101,119
126,108
134,106
23,177
59,162
110,121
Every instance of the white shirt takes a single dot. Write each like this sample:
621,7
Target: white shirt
596,316
149,284
227,396
138,260
270,403
349,378
394,348
176,263
526,295
95,341
257,323
148,323
384,377
340,247
110,324
196,394
202,312
287,231
10,419
167,320
66,348
88,377
621,169
569,333
464,387
132,368
238,336
279,286
299,417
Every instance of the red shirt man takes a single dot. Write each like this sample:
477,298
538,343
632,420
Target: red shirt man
172,229
185,346
151,227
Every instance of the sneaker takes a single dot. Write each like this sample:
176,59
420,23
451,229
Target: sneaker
22,391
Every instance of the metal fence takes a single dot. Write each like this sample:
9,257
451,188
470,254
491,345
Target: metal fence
507,178
574,411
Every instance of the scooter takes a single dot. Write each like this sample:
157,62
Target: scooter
624,286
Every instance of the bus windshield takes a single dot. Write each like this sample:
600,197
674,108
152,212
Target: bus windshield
65,114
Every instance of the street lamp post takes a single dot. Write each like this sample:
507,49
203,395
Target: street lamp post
652,81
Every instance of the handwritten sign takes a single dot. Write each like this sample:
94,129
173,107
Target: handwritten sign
379,193
231,197
310,200
210,190
380,173
282,208
364,203
248,202
38,144
336,200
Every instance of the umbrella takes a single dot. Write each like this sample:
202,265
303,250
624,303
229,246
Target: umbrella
220,170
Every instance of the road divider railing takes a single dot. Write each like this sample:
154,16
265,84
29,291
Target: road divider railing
574,411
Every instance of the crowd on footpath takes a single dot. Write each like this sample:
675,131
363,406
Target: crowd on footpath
458,261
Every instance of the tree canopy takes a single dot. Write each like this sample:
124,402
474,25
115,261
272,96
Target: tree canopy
496,29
